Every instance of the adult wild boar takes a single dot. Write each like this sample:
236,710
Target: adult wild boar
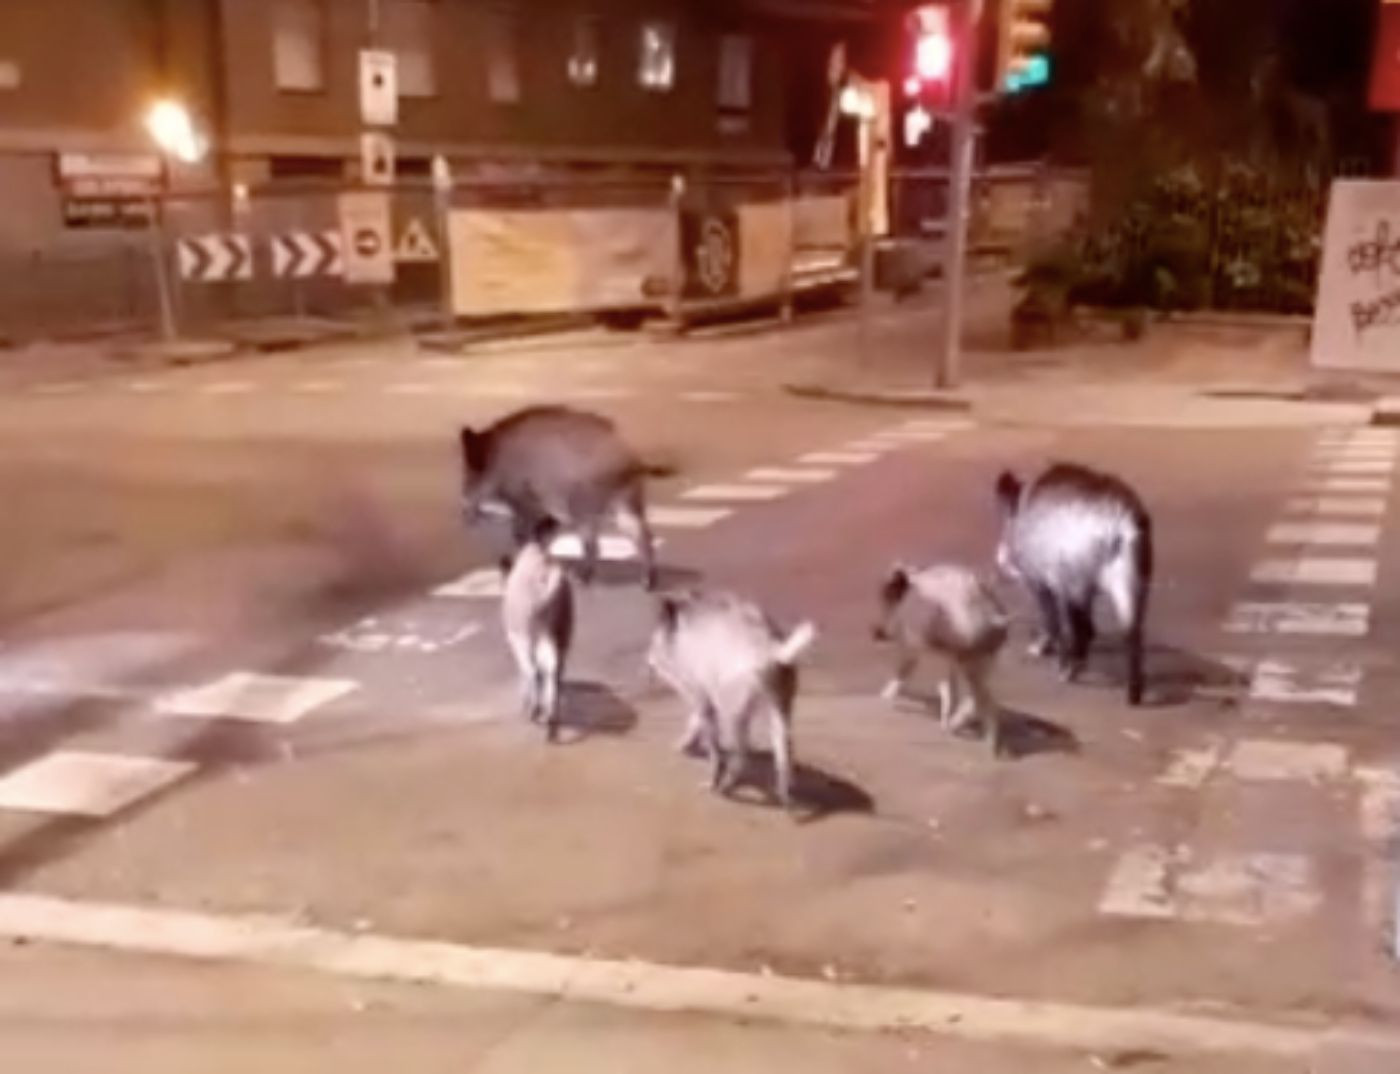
561,463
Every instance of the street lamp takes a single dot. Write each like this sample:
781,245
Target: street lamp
172,129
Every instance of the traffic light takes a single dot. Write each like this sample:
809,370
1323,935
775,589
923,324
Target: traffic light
1023,52
932,66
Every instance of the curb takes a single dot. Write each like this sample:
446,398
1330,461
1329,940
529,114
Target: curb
921,398
1386,412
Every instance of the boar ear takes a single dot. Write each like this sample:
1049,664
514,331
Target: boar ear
896,584
668,611
473,449
1009,491
545,529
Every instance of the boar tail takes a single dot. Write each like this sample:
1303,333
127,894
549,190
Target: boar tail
795,644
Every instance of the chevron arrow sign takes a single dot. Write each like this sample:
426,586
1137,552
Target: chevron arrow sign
213,258
299,254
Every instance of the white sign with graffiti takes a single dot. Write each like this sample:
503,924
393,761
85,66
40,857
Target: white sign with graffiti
1357,322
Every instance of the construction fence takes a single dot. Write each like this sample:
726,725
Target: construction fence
491,249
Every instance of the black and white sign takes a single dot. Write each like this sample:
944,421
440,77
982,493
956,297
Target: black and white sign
711,245
300,254
108,189
215,258
379,87
367,242
416,244
106,212
377,158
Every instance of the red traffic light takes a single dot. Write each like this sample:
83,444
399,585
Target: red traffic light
933,43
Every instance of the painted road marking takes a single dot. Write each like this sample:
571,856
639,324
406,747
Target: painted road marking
87,784
483,583
1284,682
1290,617
912,436
1190,768
582,392
787,476
318,387
1379,818
228,387
1324,533
942,425
1357,467
1247,890
1349,484
270,941
1313,571
709,397
1257,760
247,695
372,635
146,387
499,390
1271,760
1354,506
722,493
872,446
612,547
686,518
837,458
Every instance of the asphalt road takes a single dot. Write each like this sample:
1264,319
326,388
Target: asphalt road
252,671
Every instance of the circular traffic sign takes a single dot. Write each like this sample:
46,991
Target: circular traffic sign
367,242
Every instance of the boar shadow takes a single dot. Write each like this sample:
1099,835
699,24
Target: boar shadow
1174,676
1023,734
816,793
592,708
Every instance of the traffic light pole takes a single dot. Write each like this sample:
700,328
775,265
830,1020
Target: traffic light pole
963,141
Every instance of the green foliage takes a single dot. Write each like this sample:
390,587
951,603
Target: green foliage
1178,244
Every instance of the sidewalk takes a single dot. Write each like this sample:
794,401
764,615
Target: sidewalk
1183,373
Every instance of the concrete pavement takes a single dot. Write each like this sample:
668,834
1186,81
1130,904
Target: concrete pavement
346,754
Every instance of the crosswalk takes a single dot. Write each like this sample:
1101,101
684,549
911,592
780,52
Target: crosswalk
391,379
1297,635
458,614
1306,616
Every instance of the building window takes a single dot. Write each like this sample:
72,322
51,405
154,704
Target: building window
502,58
583,57
656,68
408,30
735,91
9,75
298,39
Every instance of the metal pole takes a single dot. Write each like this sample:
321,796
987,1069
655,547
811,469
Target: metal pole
156,233
867,238
959,183
442,203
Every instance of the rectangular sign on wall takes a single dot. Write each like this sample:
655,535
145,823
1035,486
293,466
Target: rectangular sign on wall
366,237
379,87
1356,324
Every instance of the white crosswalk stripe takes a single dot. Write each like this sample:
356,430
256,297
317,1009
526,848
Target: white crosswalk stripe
248,695
773,475
1342,506
88,784
739,493
1311,571
1324,533
1347,619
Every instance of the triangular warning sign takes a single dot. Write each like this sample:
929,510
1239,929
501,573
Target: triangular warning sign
415,244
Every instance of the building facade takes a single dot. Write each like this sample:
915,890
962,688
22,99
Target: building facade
498,88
